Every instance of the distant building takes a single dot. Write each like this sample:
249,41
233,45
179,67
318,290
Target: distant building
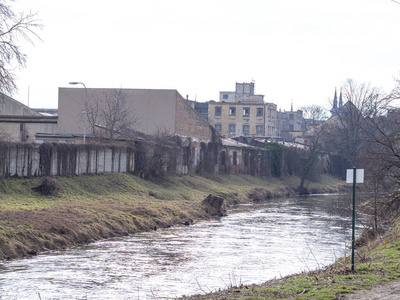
47,111
244,93
153,110
19,123
200,107
242,113
335,105
290,124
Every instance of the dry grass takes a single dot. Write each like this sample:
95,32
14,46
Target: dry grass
89,208
374,264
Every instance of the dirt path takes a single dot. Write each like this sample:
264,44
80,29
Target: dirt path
387,291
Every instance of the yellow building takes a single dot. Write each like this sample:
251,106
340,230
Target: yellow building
243,119
242,113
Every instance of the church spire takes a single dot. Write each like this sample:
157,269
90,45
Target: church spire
334,110
340,99
335,101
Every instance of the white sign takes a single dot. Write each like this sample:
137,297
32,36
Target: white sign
359,176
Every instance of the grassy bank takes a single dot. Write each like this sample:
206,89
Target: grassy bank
89,208
375,264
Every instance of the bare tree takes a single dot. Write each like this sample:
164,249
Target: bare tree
367,132
395,93
309,161
13,27
314,113
92,106
5,136
382,132
109,113
345,133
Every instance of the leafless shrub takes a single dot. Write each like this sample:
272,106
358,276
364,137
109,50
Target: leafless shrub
162,154
48,187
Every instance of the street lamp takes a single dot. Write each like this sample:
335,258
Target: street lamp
84,112
76,82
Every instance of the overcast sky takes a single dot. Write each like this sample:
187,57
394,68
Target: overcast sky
294,50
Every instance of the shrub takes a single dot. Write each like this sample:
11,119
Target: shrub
48,187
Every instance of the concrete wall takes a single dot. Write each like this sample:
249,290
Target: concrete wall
28,160
52,159
152,110
24,129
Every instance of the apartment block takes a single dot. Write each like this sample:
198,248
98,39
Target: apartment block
242,113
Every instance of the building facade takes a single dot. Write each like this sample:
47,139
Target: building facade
19,123
244,93
291,124
242,113
200,107
153,110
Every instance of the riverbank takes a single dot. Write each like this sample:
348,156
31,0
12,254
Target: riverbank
376,276
90,208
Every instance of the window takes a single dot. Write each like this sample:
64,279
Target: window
194,156
260,111
291,117
246,158
246,129
223,158
202,110
232,129
291,127
234,158
246,111
232,111
225,96
217,111
259,129
218,127
186,154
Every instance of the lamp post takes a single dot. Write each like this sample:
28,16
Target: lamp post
84,112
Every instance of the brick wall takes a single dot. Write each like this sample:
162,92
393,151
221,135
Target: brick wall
189,123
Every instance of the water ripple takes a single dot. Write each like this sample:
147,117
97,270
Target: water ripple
251,245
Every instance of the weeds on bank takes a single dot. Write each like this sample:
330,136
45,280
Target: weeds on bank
372,266
90,207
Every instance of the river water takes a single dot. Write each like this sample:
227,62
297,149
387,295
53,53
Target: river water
252,244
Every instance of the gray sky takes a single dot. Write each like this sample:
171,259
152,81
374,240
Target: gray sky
293,50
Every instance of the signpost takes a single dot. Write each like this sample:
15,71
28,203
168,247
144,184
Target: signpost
354,176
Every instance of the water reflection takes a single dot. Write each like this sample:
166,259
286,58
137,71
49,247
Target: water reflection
251,245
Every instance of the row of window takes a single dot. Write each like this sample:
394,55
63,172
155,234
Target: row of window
232,129
232,111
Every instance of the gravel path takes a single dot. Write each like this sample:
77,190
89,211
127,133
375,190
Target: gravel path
387,291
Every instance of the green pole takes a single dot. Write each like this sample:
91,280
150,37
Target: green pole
354,218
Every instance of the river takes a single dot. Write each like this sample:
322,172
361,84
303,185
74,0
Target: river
252,244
